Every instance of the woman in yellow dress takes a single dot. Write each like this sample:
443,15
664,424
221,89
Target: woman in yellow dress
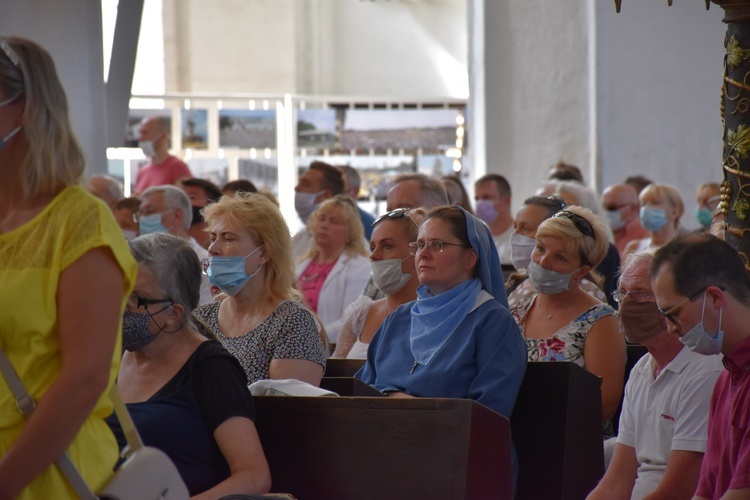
65,276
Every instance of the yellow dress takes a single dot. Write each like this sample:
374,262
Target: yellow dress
32,257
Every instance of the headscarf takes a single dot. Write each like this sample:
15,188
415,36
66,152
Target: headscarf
435,318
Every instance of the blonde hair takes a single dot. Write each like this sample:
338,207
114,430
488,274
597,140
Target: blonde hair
262,219
664,192
54,158
592,250
356,243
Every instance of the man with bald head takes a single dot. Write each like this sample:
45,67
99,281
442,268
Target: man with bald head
622,208
162,168
416,191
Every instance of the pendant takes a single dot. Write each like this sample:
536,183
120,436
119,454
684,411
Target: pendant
413,366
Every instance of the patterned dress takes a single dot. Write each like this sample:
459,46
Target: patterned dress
288,333
567,343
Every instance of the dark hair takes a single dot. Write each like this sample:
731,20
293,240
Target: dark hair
638,182
455,218
240,186
565,172
501,183
213,193
551,204
699,260
132,203
332,180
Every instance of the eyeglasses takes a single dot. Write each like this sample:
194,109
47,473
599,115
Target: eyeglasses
436,246
136,301
670,312
394,214
637,296
583,225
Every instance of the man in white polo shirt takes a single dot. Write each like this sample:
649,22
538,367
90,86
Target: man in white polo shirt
662,435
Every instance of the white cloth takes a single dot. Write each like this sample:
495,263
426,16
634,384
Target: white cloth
301,242
502,243
202,253
667,413
349,344
286,387
342,287
358,350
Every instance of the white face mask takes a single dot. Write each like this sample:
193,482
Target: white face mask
699,340
521,248
387,275
615,219
129,234
548,281
304,204
148,147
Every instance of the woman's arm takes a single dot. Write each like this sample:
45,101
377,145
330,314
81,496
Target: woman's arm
300,369
604,356
238,440
89,301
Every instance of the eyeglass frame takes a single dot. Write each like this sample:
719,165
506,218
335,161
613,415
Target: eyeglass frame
620,295
397,213
144,302
671,311
580,222
414,246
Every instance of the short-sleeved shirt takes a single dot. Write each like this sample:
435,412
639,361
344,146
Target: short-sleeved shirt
167,172
289,332
32,259
181,418
726,464
666,413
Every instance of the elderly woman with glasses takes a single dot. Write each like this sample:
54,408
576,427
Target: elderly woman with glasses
187,395
334,271
562,322
65,275
394,273
458,339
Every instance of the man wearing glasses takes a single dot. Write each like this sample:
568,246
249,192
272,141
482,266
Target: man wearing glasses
662,434
703,289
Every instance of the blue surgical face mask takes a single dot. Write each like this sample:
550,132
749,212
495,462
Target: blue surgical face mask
148,224
13,132
704,216
486,210
228,273
653,219
615,219
699,340
304,204
547,281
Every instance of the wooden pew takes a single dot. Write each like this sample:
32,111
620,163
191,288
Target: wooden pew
381,448
342,367
557,430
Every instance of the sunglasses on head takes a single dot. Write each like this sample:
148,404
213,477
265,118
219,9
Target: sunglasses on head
583,225
394,214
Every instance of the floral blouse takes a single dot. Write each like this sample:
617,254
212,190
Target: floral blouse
567,343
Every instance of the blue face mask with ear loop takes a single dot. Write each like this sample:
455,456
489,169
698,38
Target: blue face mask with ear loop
13,132
228,273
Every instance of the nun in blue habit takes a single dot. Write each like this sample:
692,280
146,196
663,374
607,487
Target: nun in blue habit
458,339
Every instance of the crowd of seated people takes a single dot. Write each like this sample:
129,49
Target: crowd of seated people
442,325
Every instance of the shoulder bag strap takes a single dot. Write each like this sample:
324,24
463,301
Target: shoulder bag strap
26,406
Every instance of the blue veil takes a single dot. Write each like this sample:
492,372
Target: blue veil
489,270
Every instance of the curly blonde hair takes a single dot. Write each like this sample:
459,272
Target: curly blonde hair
263,220
591,250
347,208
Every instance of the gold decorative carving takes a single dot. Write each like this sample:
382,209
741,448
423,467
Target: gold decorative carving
735,53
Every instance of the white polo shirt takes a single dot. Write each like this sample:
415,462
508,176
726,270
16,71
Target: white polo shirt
667,413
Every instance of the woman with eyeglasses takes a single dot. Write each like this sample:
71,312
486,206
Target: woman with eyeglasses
661,210
334,271
561,322
458,339
186,394
393,272
261,320
65,275
532,213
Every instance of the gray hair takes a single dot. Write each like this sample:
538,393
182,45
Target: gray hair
352,176
433,191
646,256
176,266
174,197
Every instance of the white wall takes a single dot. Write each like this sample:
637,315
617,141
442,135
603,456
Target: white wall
71,32
660,73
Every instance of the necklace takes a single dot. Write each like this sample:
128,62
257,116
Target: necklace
552,314
305,279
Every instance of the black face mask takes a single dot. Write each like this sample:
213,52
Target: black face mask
197,216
